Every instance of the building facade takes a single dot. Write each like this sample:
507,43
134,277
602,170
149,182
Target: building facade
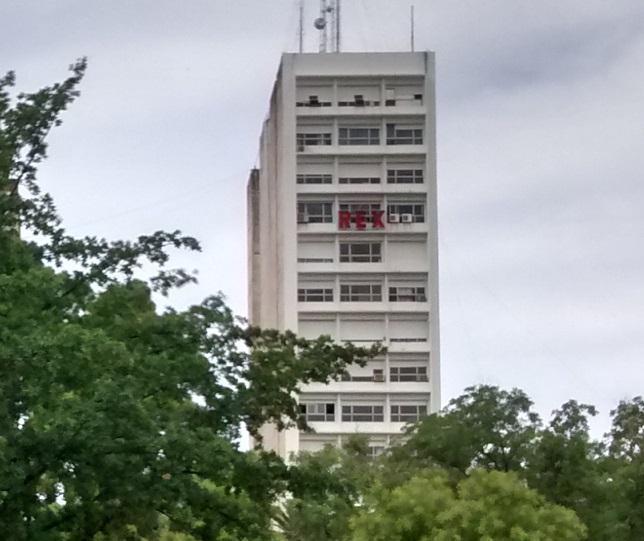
342,236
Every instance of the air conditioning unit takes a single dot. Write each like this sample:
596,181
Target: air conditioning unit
302,219
300,148
406,218
378,376
393,218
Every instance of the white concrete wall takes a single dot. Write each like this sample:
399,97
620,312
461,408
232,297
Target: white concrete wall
409,251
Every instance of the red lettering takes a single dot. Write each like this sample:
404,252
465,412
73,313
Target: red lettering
376,219
361,223
344,219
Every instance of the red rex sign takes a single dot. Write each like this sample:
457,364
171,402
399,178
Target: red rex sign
359,218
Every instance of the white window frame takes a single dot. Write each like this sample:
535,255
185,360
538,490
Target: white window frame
372,292
315,294
306,215
416,209
347,135
314,178
402,413
373,255
405,176
402,374
315,412
375,413
411,293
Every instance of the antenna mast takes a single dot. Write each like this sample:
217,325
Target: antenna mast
411,28
337,25
301,27
329,16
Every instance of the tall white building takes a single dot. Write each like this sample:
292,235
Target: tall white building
342,235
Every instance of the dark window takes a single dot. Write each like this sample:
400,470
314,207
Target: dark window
405,176
360,252
359,136
404,135
415,210
360,293
312,139
407,413
407,294
315,294
359,180
314,212
318,411
314,178
364,414
407,373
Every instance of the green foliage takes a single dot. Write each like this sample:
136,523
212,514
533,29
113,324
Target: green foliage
485,506
119,420
325,489
486,427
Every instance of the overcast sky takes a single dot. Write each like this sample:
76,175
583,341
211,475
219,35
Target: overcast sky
540,159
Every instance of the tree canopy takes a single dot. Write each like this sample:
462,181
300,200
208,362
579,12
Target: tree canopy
119,420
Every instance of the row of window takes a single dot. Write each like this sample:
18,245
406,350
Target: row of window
394,176
395,135
352,252
397,374
366,292
359,101
372,413
321,212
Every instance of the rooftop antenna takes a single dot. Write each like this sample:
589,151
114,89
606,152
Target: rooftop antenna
301,27
329,16
337,25
411,29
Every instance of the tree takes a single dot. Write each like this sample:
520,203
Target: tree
568,468
326,488
485,427
485,506
626,466
118,420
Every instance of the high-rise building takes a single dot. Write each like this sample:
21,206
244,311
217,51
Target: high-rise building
342,235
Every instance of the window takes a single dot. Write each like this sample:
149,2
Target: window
359,180
359,136
363,414
403,94
314,212
358,101
315,260
313,139
407,413
404,135
315,294
314,179
407,294
360,293
360,252
415,210
314,101
366,208
375,451
377,376
318,411
404,176
408,373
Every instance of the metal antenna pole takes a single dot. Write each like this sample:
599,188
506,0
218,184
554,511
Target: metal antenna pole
337,25
301,29
322,28
411,22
